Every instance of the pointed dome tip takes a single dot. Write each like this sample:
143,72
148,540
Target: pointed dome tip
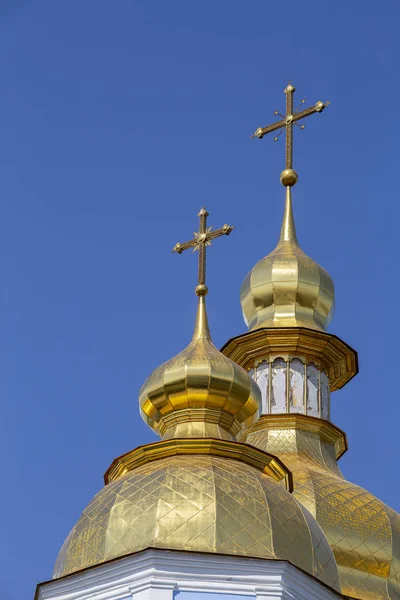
201,328
288,229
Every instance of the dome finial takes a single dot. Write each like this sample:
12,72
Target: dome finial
289,176
202,239
287,288
200,392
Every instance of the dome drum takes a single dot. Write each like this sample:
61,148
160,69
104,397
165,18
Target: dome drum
327,352
292,386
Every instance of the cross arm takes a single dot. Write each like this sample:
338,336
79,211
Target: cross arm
261,131
179,248
318,107
225,230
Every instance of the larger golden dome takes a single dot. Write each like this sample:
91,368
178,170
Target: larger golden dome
287,288
363,532
204,504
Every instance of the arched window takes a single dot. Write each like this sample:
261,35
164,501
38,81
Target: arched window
296,387
312,390
261,373
278,396
325,393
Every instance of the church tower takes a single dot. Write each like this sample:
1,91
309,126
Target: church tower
242,496
288,302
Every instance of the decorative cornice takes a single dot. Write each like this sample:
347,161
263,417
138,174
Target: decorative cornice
267,463
189,571
325,429
327,351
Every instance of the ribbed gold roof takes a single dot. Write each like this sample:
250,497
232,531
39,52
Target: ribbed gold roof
287,288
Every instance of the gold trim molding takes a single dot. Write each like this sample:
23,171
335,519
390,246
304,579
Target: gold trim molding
328,352
326,430
267,463
203,415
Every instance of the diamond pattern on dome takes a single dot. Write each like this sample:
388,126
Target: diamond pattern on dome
362,531
197,503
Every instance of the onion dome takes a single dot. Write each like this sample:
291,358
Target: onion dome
287,288
200,392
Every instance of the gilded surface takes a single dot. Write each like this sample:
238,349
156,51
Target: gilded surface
288,120
287,288
199,392
266,463
363,532
202,239
199,503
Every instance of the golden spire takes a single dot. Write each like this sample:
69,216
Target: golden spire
199,392
201,328
287,288
288,229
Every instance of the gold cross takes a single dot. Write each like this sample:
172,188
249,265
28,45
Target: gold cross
202,239
287,122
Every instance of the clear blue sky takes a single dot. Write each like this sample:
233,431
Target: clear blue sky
119,120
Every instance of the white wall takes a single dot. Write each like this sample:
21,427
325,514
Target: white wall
172,575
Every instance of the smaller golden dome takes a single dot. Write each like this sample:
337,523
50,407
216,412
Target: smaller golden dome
287,288
200,392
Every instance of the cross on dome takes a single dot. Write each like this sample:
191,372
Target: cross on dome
289,176
201,240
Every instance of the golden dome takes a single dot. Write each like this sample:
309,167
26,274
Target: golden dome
191,491
200,392
287,288
363,532
203,504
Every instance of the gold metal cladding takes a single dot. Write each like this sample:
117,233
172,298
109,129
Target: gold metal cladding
264,462
287,288
326,431
362,531
286,124
199,503
328,352
199,385
199,392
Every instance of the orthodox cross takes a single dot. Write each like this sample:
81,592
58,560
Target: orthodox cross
201,240
287,121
